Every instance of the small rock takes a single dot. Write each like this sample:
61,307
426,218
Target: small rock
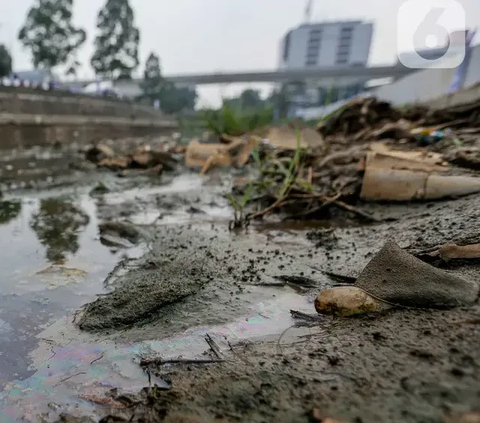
346,301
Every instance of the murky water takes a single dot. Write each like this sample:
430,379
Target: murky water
53,263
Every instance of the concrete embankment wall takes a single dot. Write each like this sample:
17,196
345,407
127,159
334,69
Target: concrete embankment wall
25,131
31,117
60,103
431,84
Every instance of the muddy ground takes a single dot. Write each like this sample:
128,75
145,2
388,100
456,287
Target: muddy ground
190,277
404,365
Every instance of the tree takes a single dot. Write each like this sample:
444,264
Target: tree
116,46
250,99
280,101
174,99
49,33
153,82
5,61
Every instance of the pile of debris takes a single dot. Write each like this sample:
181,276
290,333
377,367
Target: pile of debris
236,151
366,150
143,157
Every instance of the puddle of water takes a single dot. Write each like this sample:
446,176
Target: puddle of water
75,369
183,183
54,263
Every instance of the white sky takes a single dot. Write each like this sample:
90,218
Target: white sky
222,35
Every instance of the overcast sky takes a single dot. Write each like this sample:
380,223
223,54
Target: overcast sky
221,35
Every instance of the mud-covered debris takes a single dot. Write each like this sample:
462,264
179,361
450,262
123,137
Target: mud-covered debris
397,278
472,417
399,178
206,155
115,163
468,157
144,292
99,152
358,117
418,159
400,130
179,149
99,189
198,154
144,158
459,115
451,251
124,230
285,137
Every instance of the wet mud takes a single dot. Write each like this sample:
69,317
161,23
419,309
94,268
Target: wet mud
79,314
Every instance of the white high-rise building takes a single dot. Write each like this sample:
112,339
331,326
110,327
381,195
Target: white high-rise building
327,44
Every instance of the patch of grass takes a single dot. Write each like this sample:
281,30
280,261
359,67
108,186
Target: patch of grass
239,206
292,171
230,121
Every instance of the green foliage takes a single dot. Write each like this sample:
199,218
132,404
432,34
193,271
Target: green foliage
50,35
229,121
239,206
257,159
279,100
248,99
175,99
293,168
153,82
116,45
5,61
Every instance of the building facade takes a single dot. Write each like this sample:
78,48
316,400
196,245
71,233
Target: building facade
327,44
